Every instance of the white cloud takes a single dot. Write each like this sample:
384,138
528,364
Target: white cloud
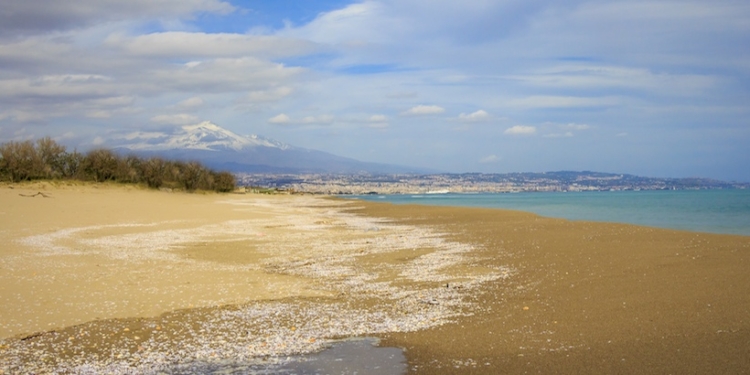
378,121
191,103
624,64
424,110
520,130
180,44
279,119
177,119
489,159
354,25
220,76
477,116
378,118
566,130
142,135
572,126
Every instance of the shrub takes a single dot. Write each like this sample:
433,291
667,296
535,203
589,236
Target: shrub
23,161
50,158
72,165
20,161
153,171
100,164
224,182
191,175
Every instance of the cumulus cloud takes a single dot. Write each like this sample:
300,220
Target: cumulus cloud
520,130
191,103
378,121
177,119
477,116
279,119
424,110
129,61
489,159
573,126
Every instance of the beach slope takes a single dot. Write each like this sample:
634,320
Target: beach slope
118,279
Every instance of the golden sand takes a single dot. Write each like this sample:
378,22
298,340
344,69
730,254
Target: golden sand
206,276
94,252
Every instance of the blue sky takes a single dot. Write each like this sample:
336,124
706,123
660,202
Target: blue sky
655,88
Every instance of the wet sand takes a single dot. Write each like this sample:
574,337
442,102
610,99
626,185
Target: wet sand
589,298
111,278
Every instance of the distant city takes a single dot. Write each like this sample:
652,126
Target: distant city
563,181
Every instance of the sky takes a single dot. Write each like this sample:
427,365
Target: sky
654,88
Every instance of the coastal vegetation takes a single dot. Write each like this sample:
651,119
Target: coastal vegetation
45,159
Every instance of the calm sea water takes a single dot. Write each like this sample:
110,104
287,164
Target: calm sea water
715,211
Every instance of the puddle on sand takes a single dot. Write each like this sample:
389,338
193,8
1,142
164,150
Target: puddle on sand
353,356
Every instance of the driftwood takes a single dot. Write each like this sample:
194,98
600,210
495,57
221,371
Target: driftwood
34,195
34,335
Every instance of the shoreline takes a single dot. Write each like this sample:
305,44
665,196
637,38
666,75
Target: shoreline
704,211
589,297
524,293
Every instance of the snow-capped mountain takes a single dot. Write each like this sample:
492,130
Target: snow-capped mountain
205,136
220,148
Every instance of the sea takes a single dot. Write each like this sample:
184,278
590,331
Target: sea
724,211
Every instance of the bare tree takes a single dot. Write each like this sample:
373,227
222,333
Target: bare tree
191,174
22,161
50,158
224,182
100,164
153,171
19,160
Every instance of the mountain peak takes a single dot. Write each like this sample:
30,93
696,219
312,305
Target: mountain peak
223,149
205,136
209,136
207,125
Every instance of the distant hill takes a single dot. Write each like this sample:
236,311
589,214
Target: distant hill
220,148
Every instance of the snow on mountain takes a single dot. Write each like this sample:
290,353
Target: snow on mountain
205,136
222,149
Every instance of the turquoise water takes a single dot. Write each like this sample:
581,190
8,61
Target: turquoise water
714,211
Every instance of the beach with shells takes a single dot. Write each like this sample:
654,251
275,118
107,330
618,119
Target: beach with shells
113,279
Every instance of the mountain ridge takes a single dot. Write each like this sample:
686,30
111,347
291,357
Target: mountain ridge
223,149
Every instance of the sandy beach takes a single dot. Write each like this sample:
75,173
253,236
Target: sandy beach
111,278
